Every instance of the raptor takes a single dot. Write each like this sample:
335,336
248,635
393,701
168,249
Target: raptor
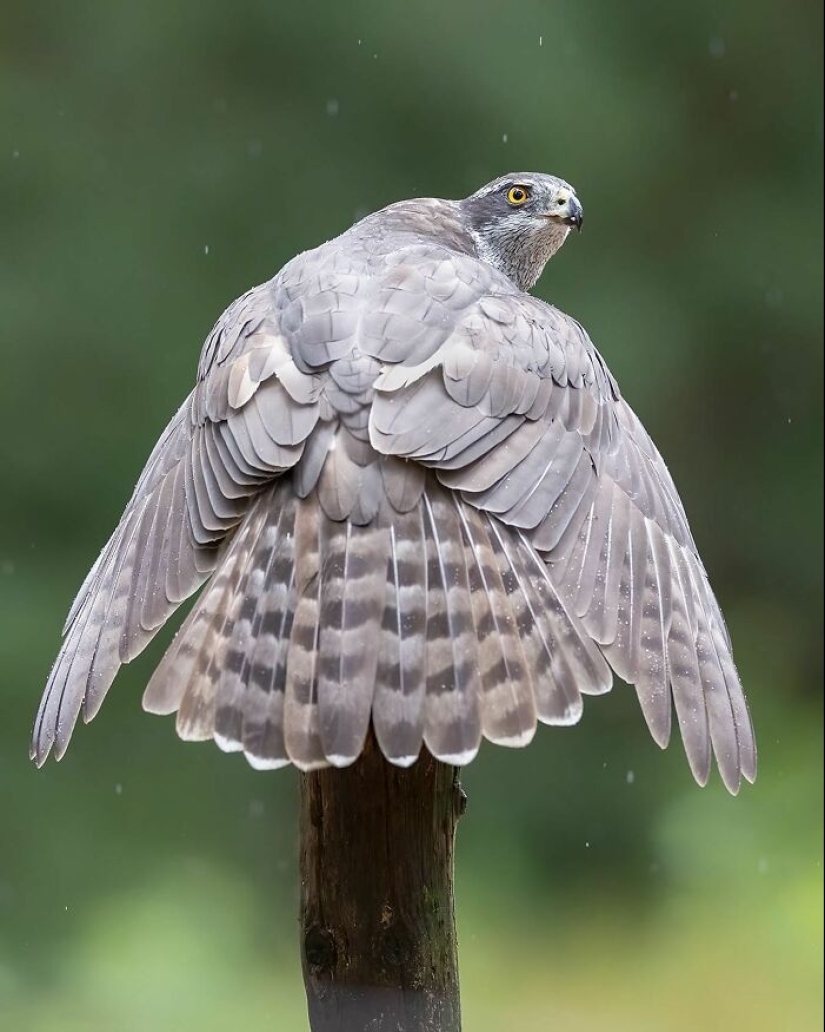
417,499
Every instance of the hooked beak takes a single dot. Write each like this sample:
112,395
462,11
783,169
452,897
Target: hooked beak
567,210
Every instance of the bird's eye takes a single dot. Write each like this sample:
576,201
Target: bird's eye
517,195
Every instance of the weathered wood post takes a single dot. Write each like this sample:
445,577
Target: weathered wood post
378,937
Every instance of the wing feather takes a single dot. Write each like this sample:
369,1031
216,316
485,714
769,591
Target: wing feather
211,460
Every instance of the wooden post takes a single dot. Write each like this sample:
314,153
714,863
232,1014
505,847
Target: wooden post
378,938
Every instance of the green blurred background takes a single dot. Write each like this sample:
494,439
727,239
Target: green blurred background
156,159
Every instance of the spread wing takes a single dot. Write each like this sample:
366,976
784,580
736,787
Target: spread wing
517,412
245,423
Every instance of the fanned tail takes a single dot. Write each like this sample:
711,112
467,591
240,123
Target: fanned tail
440,624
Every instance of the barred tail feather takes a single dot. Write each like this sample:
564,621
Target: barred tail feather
302,734
353,576
508,710
401,675
452,721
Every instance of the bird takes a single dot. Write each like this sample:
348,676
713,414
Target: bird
416,502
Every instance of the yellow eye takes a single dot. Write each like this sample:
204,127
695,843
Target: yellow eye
517,195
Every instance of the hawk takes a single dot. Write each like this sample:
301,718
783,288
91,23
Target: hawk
417,499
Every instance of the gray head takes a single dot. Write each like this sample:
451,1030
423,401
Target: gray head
519,222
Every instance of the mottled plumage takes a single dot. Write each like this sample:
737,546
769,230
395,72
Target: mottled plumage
416,497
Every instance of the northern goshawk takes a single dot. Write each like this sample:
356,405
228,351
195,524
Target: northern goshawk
418,498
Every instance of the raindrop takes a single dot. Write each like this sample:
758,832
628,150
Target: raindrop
762,866
504,138
333,107
118,789
733,96
15,154
541,41
630,777
206,249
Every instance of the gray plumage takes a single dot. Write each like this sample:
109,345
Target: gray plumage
417,497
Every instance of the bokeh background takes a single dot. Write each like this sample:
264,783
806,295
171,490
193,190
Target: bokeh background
158,158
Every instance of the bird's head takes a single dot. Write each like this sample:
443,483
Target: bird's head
520,220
